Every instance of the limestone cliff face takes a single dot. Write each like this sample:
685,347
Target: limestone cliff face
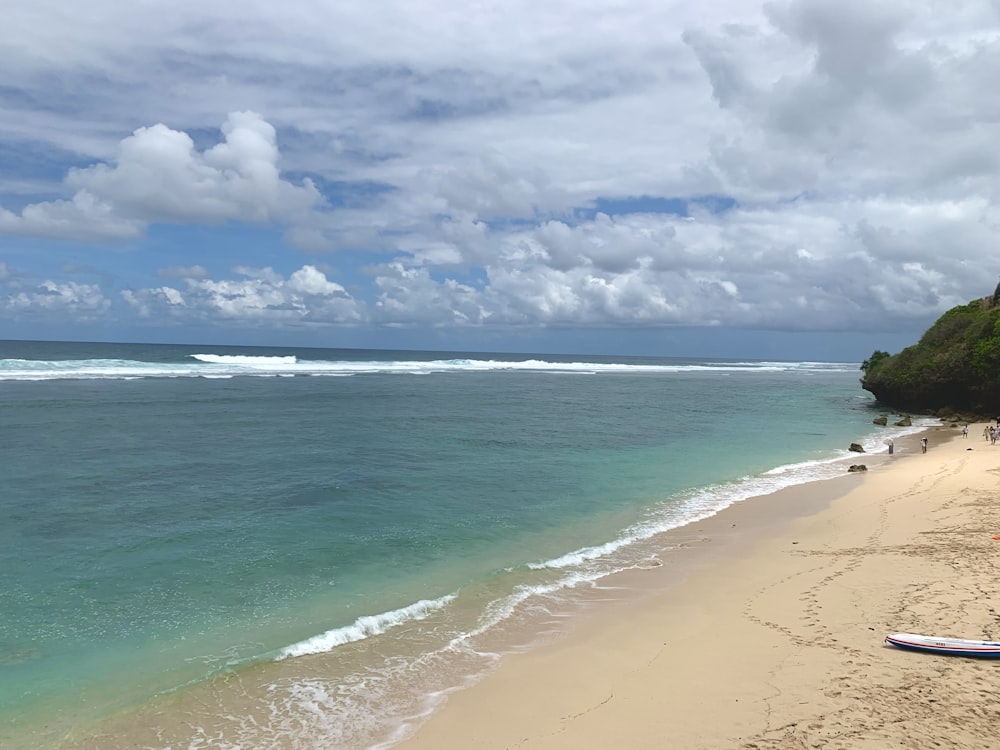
954,369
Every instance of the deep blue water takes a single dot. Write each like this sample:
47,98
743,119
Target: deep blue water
172,514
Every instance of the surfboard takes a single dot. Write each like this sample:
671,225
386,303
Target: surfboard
938,645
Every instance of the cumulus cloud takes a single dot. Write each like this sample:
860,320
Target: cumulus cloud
158,176
258,296
84,217
50,300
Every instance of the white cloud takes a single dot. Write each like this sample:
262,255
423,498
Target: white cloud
49,300
260,296
471,162
409,296
158,176
84,217
310,281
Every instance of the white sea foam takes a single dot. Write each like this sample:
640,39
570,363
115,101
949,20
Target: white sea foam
502,609
708,501
245,361
583,555
365,627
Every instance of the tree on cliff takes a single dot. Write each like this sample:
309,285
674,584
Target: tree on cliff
954,368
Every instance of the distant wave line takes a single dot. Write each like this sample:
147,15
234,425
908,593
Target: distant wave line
217,366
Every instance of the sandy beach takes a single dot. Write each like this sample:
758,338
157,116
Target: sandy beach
768,632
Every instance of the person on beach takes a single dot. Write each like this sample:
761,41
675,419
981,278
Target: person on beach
965,430
923,445
890,446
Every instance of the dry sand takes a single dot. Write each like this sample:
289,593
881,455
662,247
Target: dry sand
773,638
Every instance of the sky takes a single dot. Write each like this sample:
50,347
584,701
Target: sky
810,179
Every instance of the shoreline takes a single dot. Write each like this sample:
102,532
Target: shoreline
771,633
680,553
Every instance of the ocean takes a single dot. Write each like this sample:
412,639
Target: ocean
264,547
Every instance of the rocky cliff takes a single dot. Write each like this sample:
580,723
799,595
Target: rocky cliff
953,370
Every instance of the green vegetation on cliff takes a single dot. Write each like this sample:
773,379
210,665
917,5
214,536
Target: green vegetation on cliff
954,369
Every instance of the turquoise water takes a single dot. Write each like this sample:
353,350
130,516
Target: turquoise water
177,514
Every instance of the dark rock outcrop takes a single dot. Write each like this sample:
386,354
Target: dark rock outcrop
856,447
854,468
883,420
